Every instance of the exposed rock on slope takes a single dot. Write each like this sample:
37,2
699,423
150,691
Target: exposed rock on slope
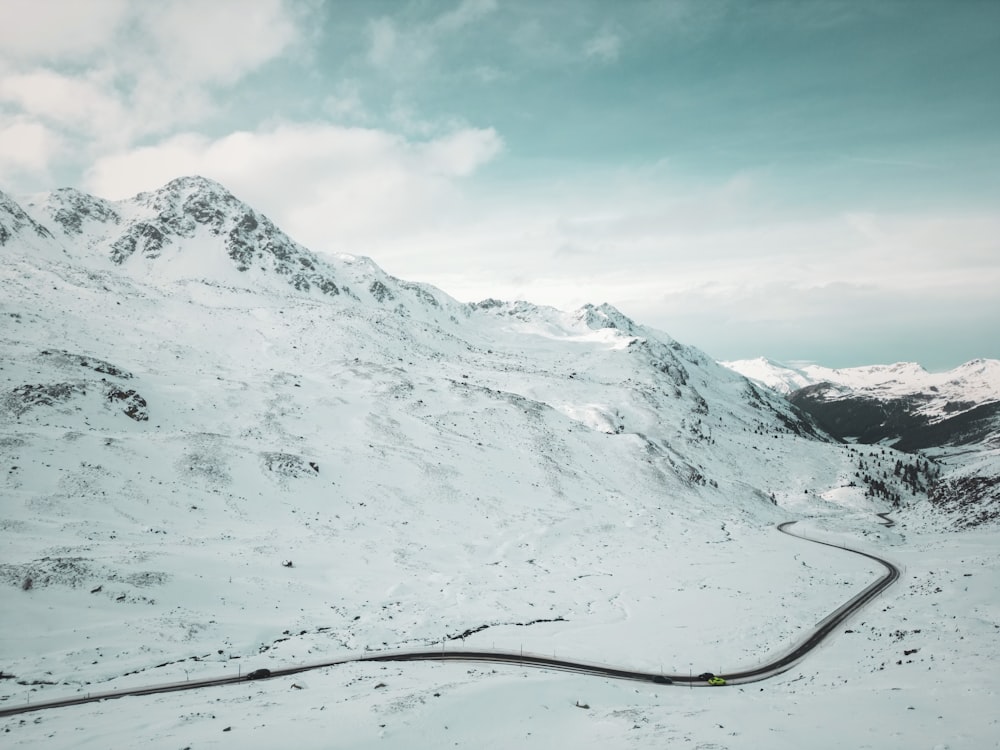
16,224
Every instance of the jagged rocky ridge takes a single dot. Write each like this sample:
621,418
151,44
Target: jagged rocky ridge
159,222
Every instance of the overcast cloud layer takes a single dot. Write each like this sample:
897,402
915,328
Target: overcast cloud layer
791,179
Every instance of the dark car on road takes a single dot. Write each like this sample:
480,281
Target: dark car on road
706,676
259,674
661,680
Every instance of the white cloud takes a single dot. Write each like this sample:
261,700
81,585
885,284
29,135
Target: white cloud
329,186
605,46
489,74
182,50
25,146
404,51
104,74
215,42
710,266
78,102
38,31
461,153
383,42
468,11
190,40
346,104
565,40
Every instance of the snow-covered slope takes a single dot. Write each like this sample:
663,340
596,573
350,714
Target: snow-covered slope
179,407
220,450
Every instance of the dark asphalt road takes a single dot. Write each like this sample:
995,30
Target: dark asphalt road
772,668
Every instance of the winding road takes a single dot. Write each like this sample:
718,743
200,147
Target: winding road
776,666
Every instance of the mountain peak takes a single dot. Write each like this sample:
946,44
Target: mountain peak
196,182
72,210
192,228
193,198
190,184
606,316
14,222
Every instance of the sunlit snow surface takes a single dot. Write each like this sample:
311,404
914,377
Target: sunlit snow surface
429,469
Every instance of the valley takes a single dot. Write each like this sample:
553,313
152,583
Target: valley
212,462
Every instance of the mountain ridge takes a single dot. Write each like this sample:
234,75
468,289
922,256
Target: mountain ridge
173,235
174,430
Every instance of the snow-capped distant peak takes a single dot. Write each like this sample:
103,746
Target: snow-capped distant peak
779,377
936,396
905,375
898,379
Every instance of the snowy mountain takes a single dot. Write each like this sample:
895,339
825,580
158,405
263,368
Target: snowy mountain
220,449
976,382
952,416
776,376
176,351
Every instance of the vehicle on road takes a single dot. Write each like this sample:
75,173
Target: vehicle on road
716,681
706,676
259,674
661,680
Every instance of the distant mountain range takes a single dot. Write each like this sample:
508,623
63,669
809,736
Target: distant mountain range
952,416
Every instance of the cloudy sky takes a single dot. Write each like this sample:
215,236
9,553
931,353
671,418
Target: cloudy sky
800,179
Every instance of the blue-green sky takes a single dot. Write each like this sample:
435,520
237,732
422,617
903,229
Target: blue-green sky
801,179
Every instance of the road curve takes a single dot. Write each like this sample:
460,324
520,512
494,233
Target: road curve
774,667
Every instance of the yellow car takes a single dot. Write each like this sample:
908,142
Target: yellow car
716,681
